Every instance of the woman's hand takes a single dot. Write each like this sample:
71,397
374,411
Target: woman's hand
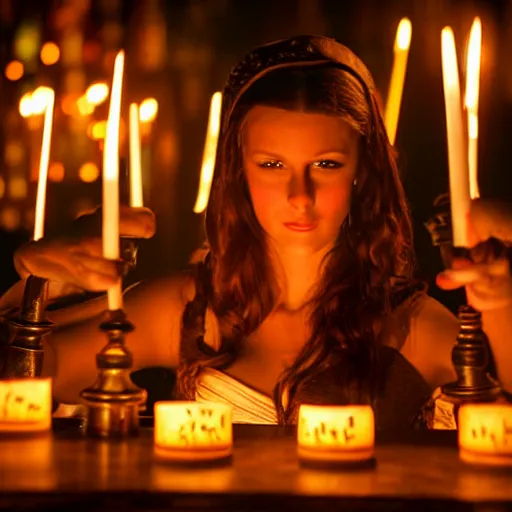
487,278
76,258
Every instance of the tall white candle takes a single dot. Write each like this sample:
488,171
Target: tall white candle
111,180
457,149
46,98
471,102
136,196
209,153
396,84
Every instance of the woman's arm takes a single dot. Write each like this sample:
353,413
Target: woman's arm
432,334
154,308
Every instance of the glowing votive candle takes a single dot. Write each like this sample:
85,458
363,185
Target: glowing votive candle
25,405
339,434
193,431
485,434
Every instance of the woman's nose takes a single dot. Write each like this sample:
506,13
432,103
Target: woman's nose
301,192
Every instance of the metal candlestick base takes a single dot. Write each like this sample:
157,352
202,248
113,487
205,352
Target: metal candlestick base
113,401
470,357
23,354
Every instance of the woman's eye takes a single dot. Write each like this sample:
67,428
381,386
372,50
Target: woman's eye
328,164
271,164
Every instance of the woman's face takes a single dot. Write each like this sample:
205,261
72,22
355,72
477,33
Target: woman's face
300,168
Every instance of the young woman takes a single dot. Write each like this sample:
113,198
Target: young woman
305,293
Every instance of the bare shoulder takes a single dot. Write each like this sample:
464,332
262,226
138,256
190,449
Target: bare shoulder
429,344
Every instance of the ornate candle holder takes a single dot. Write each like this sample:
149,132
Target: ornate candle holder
23,353
470,354
113,401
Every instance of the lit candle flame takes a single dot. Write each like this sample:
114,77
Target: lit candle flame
396,85
209,153
45,97
457,151
111,180
136,196
403,34
471,102
148,110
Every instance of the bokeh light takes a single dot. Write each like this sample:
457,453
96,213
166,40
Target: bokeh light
84,107
14,70
18,187
98,130
89,172
56,171
97,93
13,153
50,54
10,218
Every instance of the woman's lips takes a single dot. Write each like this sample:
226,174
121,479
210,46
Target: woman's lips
301,226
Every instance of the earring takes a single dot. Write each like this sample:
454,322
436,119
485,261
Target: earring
355,182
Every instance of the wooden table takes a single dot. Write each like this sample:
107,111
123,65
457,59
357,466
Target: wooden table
65,471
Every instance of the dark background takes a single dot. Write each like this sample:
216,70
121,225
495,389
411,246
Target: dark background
180,52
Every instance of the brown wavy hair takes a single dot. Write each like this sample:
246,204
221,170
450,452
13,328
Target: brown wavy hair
357,287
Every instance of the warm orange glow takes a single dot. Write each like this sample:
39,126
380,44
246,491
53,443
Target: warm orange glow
10,218
457,149
50,54
148,110
209,153
56,171
89,172
68,104
43,94
97,93
336,433
485,434
2,187
136,196
14,70
403,34
398,72
18,187
26,405
193,431
14,152
111,179
471,102
98,130
25,106
84,107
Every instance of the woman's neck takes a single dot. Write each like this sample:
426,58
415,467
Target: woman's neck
297,275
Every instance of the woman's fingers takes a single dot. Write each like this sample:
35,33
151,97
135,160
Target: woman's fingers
136,222
488,285
74,262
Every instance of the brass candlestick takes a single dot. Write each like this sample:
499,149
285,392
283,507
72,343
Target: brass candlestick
470,354
23,353
113,401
